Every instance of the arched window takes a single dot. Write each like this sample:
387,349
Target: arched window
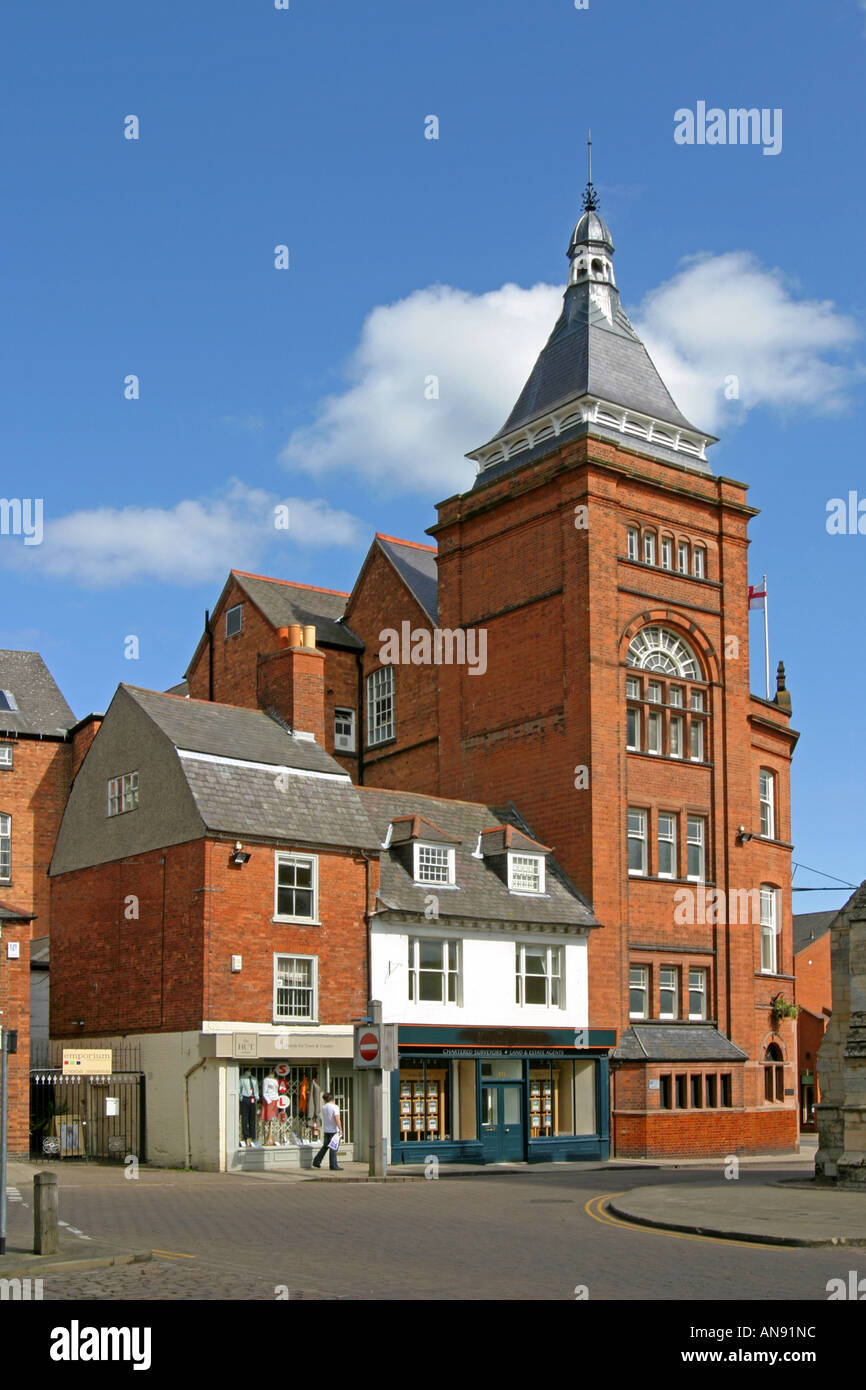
658,649
774,1073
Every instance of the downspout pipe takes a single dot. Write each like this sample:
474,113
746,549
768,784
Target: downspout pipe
187,1135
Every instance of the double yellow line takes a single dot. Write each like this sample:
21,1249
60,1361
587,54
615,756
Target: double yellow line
595,1208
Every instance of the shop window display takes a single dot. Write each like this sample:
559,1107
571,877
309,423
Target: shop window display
561,1099
280,1104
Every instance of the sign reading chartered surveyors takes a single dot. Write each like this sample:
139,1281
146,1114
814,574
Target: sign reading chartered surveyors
87,1061
376,1046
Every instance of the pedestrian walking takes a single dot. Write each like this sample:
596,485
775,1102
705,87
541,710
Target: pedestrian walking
333,1129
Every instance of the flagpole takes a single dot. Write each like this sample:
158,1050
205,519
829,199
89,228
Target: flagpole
766,641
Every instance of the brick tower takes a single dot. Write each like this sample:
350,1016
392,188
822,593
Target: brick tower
608,565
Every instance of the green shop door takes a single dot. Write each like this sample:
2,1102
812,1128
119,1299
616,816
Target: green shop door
502,1122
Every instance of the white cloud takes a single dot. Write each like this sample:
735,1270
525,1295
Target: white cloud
192,542
481,348
718,316
727,315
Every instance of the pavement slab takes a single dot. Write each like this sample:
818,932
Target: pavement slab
774,1213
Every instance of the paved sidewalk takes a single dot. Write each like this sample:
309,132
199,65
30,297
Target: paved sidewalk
787,1212
78,1253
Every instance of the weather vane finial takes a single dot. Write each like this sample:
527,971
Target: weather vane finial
590,198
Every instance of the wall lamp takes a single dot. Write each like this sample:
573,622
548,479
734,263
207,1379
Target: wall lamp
238,855
743,835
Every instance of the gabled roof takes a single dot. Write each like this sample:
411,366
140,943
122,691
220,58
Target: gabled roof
283,603
416,566
501,838
676,1042
41,707
414,827
480,893
811,926
230,731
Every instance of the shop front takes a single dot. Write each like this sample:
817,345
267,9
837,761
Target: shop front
491,1095
274,1089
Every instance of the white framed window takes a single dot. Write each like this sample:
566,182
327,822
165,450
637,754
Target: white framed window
667,845
434,971
654,733
234,620
769,928
696,849
5,848
696,741
638,991
296,883
649,547
433,864
539,976
659,649
5,754
669,992
654,692
675,731
675,696
344,731
683,557
632,729
667,553
632,688
637,841
631,542
380,705
768,804
700,562
122,793
696,700
526,873
697,993
8,701
296,988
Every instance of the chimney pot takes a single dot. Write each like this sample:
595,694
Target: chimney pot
283,636
309,636
295,635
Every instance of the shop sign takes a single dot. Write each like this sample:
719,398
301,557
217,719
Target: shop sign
544,1052
302,1045
86,1061
244,1045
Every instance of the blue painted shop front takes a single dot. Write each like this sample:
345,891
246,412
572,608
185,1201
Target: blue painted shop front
494,1095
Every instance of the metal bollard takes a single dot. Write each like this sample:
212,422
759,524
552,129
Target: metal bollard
46,1237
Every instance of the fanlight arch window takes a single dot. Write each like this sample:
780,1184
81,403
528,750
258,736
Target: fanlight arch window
658,649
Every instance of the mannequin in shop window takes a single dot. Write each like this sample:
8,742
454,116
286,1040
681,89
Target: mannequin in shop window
270,1094
249,1101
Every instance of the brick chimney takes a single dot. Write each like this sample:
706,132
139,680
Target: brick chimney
291,681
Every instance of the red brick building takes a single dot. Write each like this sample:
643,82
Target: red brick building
603,568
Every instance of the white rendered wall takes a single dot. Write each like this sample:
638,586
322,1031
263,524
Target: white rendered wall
488,980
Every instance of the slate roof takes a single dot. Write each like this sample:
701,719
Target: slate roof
587,355
676,1042
480,892
227,731
41,707
811,926
9,914
416,565
283,603
248,801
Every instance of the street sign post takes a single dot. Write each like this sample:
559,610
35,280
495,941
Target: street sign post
375,1052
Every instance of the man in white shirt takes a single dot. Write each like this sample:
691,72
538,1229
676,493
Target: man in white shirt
331,1126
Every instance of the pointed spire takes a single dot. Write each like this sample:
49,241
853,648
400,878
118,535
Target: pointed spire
590,197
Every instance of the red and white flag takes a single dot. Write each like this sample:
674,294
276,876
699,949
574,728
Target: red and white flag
757,596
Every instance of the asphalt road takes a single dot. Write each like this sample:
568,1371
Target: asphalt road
528,1236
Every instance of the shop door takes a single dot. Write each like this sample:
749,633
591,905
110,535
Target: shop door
502,1123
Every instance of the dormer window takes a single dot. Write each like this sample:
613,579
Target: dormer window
434,864
526,873
8,701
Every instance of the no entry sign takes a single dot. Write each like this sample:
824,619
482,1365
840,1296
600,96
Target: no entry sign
376,1046
368,1046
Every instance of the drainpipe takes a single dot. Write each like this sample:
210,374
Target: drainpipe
187,1138
207,628
359,740
366,855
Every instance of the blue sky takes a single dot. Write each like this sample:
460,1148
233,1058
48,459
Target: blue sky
410,256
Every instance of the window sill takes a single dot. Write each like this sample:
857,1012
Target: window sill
295,922
283,1022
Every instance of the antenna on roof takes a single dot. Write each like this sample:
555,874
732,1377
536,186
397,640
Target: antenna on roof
590,197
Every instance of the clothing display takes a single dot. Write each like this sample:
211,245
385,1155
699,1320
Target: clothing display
248,1117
